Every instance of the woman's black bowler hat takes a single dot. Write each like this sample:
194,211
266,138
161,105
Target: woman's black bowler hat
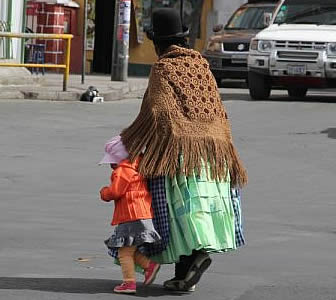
166,25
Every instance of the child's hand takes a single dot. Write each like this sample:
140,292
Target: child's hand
104,194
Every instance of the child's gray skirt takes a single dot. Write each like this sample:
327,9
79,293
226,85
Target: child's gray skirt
133,233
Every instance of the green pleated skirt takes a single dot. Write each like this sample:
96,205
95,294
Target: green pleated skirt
201,216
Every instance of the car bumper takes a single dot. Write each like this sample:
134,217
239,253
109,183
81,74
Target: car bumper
230,66
324,68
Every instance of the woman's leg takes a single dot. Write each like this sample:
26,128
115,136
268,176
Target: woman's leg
200,262
188,271
182,267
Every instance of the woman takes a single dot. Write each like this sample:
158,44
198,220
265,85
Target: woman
184,134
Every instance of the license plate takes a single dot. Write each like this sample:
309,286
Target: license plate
239,57
296,70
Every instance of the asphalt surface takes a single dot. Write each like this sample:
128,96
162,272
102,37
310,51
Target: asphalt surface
52,224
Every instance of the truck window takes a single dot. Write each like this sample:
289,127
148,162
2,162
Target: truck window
307,12
249,17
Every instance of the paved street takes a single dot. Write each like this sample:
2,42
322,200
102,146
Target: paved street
52,224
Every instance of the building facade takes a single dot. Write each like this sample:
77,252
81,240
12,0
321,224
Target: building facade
141,50
67,16
142,54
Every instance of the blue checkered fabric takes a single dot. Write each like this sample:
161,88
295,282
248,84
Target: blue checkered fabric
160,220
157,189
236,202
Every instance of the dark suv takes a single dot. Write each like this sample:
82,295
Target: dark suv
227,50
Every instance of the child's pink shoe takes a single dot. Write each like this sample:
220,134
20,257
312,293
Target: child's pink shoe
127,287
151,272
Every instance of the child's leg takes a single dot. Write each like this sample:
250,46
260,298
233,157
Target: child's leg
151,268
126,259
141,260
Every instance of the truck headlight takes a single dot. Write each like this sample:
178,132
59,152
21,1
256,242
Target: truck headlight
265,46
331,49
261,45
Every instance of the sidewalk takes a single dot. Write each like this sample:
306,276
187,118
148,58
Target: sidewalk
50,87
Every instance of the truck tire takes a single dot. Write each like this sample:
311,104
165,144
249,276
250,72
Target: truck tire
259,86
297,92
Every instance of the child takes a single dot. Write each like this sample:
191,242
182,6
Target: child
132,215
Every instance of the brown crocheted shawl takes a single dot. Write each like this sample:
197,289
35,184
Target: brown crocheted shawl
182,113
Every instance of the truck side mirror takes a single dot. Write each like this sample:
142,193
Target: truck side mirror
267,18
218,28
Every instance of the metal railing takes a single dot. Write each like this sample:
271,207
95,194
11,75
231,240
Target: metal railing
65,65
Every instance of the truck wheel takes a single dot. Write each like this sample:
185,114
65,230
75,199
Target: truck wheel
259,86
297,92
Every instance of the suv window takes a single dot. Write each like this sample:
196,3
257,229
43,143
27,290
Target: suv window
307,12
249,17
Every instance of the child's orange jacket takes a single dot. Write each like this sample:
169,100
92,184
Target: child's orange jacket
129,190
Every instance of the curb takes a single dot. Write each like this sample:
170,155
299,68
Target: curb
113,95
49,86
75,96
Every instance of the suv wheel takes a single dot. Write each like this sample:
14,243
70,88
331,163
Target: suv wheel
297,92
259,86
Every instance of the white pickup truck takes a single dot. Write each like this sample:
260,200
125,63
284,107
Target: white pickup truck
297,52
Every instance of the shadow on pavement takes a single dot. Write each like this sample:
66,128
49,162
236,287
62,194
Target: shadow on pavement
76,286
308,99
331,133
277,98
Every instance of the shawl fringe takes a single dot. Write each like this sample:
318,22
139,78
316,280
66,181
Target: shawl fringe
161,154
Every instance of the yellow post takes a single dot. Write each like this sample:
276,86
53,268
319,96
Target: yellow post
67,64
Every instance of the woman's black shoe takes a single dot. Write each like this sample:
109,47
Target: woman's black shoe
196,270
